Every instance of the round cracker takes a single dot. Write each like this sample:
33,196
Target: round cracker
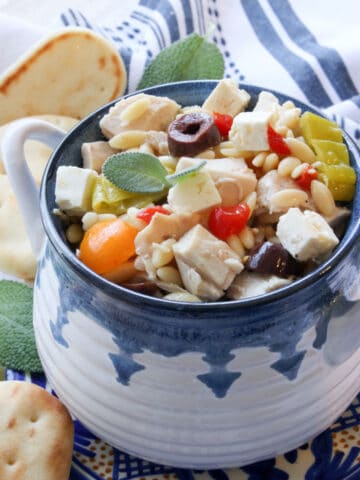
71,72
36,433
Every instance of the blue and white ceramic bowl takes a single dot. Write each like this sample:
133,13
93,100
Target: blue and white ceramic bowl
189,385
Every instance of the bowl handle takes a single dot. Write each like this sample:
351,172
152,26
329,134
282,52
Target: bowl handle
19,174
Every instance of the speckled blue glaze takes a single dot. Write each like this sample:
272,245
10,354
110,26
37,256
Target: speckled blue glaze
276,321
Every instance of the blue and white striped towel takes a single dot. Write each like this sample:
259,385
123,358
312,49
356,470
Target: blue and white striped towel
309,50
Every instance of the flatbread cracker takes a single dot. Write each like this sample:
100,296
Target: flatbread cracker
36,434
16,257
37,153
71,72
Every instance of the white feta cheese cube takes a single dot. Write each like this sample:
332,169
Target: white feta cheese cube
267,102
226,98
286,115
73,189
305,235
194,194
249,131
232,177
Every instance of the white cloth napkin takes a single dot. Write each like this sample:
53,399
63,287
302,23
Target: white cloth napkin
309,50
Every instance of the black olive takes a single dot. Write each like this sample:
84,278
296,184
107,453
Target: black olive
192,133
141,285
339,222
272,258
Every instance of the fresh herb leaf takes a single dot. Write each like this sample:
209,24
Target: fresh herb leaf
17,341
190,59
136,172
184,174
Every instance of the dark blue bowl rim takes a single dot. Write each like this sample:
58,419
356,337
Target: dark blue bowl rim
348,241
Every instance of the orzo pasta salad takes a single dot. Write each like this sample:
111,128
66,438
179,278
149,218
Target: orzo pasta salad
208,202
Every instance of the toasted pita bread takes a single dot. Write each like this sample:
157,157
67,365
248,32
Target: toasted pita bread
36,434
16,257
37,153
71,72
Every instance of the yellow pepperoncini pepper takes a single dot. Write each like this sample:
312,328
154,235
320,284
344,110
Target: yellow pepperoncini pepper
315,127
107,198
332,155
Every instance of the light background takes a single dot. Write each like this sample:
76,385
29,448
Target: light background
46,12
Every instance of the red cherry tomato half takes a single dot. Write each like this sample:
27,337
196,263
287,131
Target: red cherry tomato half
276,142
223,123
226,221
307,176
147,213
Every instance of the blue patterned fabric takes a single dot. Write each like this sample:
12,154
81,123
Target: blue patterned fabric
308,50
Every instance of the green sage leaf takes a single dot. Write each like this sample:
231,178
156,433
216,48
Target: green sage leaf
17,341
184,174
136,172
190,59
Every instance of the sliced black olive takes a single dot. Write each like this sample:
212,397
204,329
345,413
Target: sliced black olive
273,259
339,221
191,134
141,285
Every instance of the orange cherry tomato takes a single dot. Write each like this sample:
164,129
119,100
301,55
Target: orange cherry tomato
107,245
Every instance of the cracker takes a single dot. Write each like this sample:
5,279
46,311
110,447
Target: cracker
71,72
36,434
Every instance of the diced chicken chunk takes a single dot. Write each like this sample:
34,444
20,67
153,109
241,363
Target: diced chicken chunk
161,228
305,235
194,194
249,131
94,154
207,265
252,284
139,112
196,285
268,188
157,140
226,98
233,178
73,189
